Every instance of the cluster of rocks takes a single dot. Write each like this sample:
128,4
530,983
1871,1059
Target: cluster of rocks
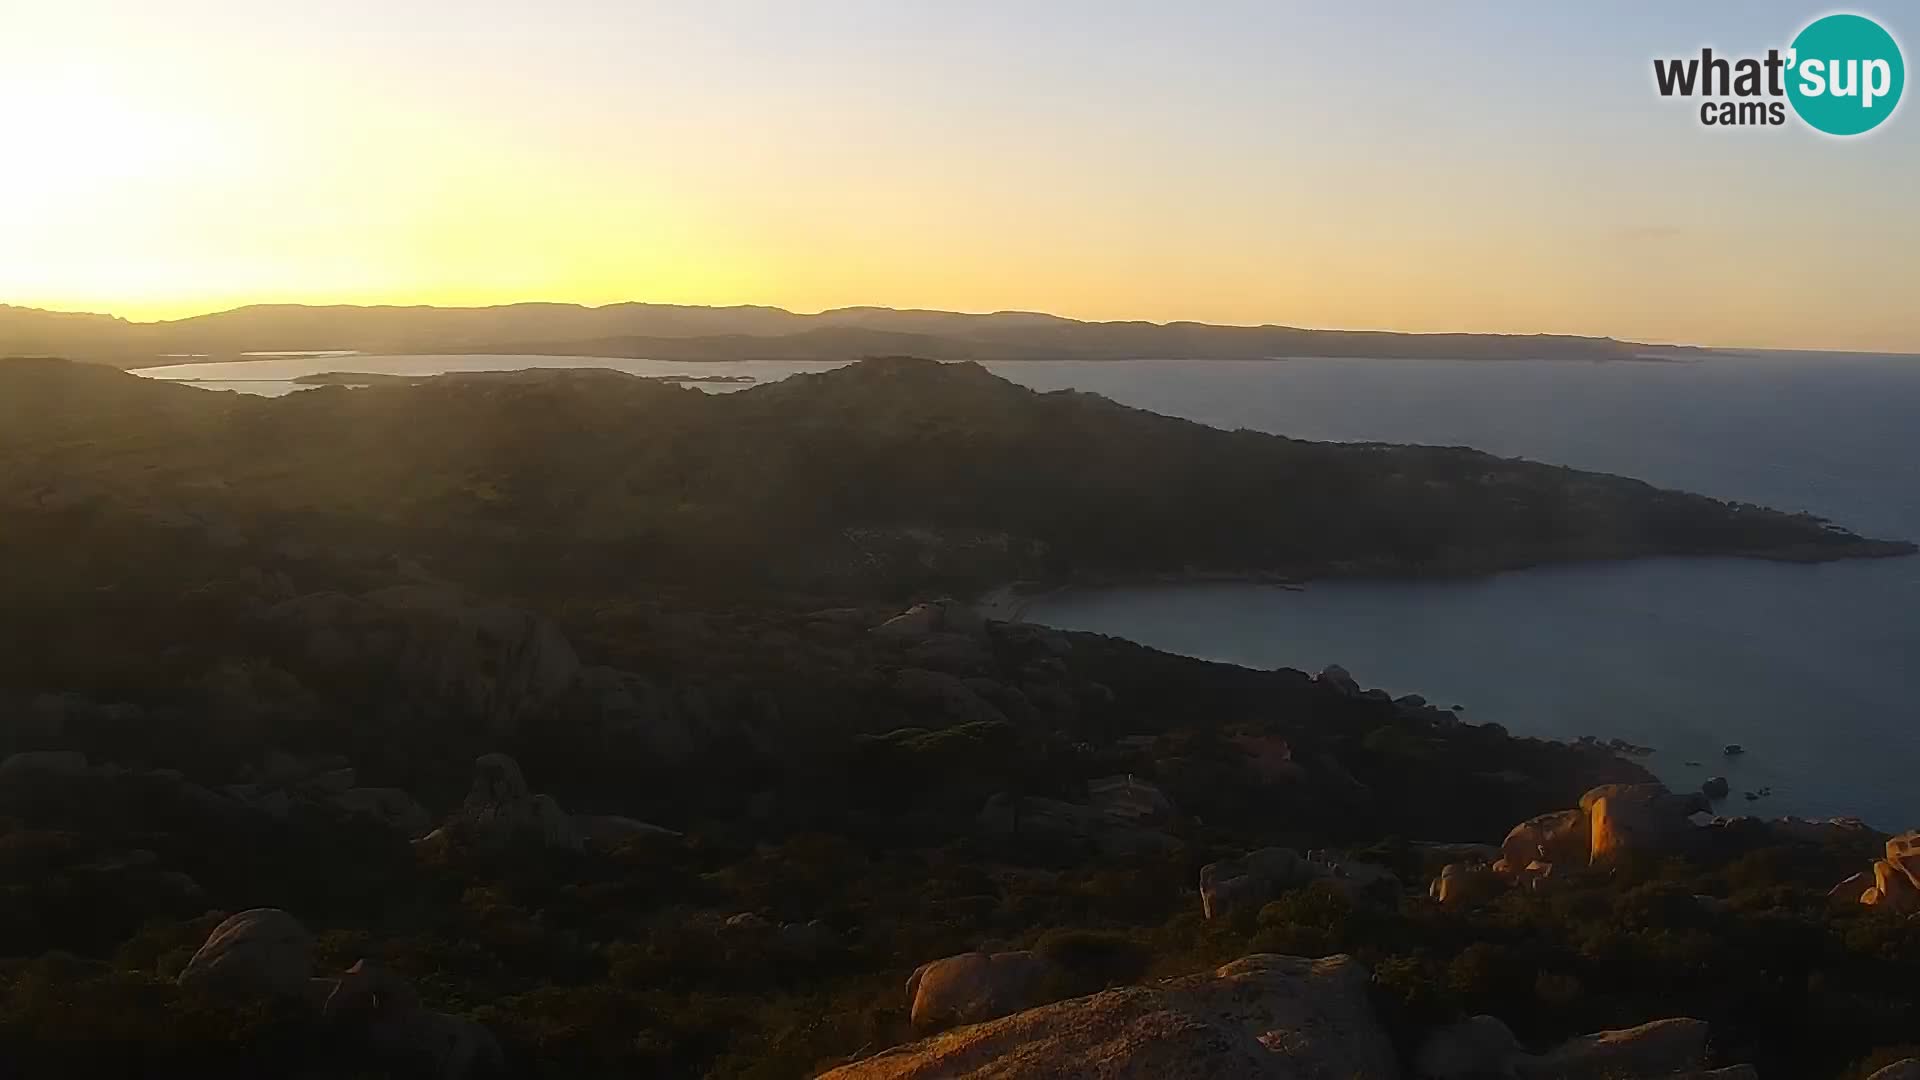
1611,820
500,812
283,781
808,940
935,622
271,796
1892,883
101,871
1259,1017
432,651
674,723
969,668
1260,876
1122,815
1616,819
498,664
1618,746
51,717
266,952
1409,706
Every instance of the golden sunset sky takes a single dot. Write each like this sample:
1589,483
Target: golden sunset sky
1488,167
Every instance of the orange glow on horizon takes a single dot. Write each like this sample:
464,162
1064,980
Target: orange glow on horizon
161,168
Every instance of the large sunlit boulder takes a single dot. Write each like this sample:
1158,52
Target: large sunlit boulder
1259,1018
974,986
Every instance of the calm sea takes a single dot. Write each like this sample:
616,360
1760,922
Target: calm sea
1814,669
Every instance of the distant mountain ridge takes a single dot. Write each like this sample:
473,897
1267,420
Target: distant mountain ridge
682,332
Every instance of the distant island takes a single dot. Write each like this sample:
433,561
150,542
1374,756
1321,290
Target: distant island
694,334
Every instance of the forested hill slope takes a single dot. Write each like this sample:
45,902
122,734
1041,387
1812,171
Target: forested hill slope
888,473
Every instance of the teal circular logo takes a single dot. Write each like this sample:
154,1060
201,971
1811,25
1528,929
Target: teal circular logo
1845,74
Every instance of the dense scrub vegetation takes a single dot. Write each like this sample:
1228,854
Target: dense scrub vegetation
617,964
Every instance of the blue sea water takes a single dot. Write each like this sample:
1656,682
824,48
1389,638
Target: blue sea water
1814,669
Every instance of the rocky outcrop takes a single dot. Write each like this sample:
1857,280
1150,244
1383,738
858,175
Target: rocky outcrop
1484,1046
266,952
1662,1048
1561,838
1251,880
1336,678
500,812
1128,800
263,951
947,693
935,617
1455,851
610,829
55,763
1622,793
1904,1069
1626,823
1270,758
1123,815
53,716
274,789
674,723
1611,820
1839,830
1891,883
1893,888
392,807
282,781
809,940
1903,847
1852,889
384,1010
1359,881
1466,884
493,664
942,636
66,776
975,986
1258,1018
1259,876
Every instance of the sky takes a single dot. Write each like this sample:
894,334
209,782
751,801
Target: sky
1498,167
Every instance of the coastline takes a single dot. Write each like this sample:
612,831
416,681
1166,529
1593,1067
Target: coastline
1623,662
1010,601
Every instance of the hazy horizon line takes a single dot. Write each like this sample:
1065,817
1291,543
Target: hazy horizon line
309,304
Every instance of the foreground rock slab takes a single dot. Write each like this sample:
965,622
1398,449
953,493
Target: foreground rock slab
1263,1017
